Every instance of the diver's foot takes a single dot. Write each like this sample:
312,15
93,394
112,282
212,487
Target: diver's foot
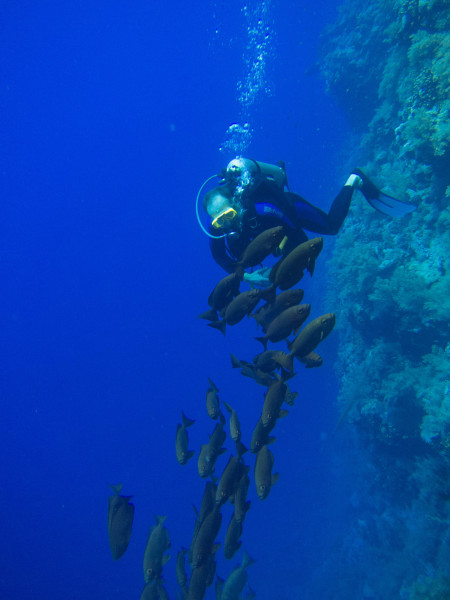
368,188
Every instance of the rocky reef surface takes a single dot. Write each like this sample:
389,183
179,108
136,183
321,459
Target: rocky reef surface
387,63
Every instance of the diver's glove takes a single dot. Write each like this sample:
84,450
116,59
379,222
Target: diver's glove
259,278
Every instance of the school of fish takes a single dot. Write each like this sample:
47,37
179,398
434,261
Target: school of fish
280,316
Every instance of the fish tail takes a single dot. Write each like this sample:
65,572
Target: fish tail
235,362
186,421
209,315
227,406
220,325
116,488
247,560
263,341
269,294
213,385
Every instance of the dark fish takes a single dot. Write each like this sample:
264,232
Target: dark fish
290,320
232,537
258,375
120,521
182,442
264,479
269,311
270,360
221,296
207,505
241,505
212,401
312,335
201,578
235,583
232,473
312,360
237,309
157,543
259,249
181,570
287,272
211,451
150,591
235,426
260,437
273,401
204,542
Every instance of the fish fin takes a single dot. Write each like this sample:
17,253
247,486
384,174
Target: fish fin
275,478
160,519
235,362
283,413
269,294
209,315
221,451
286,375
289,345
290,397
195,510
240,449
213,385
117,488
311,265
263,341
220,325
165,559
227,406
270,440
186,421
247,560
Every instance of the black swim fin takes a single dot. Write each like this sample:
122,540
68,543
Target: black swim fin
381,201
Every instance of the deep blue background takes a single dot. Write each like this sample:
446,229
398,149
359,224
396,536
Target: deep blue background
112,115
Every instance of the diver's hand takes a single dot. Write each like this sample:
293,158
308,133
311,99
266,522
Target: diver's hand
259,278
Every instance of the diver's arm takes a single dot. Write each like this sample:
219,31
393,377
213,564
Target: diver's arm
220,254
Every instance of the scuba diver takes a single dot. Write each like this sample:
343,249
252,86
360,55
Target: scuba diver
253,196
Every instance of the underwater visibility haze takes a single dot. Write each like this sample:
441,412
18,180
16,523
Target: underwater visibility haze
113,116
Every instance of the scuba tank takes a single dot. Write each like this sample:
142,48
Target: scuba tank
243,168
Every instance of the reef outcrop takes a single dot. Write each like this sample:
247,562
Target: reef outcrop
388,65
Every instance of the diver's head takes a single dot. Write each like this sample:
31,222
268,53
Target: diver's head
224,212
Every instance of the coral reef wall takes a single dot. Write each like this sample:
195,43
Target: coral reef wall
387,62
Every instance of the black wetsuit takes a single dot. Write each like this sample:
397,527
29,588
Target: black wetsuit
266,206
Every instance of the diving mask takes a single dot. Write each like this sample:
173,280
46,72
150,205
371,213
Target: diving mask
224,217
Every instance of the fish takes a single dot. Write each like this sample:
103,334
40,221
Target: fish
120,521
258,375
311,336
182,579
210,452
232,537
201,578
289,270
264,244
264,479
235,426
270,360
241,504
260,437
204,543
235,583
207,505
290,320
157,543
273,401
269,311
181,440
221,296
233,471
237,309
212,401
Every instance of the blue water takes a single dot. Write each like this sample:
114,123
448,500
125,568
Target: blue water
113,115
